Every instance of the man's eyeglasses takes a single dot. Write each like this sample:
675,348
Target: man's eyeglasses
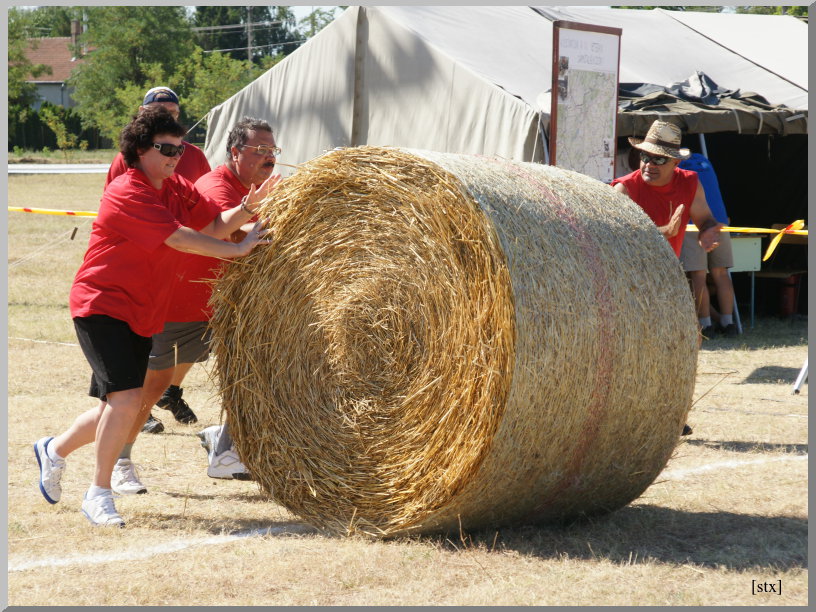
169,150
657,160
264,150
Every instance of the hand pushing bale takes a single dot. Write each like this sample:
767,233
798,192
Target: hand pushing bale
436,340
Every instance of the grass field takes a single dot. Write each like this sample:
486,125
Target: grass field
73,156
728,515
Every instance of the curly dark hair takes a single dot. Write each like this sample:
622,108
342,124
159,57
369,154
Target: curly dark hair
138,135
239,134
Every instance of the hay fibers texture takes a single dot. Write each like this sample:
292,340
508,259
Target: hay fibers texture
438,341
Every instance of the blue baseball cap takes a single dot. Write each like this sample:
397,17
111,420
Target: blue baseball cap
160,94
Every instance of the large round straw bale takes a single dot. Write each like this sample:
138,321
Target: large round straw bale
437,340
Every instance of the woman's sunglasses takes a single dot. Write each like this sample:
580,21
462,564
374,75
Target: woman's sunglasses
657,160
169,150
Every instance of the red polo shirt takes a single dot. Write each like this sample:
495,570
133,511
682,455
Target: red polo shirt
660,202
192,292
128,273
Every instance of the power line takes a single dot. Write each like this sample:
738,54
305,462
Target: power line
280,44
236,26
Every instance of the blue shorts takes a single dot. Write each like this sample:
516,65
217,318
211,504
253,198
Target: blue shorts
118,357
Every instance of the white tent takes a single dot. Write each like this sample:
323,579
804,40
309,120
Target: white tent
477,79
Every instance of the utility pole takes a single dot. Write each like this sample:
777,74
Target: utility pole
249,33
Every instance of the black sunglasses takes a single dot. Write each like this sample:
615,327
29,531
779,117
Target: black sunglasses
657,160
169,150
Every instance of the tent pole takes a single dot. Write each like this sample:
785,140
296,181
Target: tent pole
703,145
544,141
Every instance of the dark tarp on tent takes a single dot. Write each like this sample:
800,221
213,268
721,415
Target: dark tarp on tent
699,106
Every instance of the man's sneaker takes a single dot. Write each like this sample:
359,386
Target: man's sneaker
227,465
687,431
153,425
209,438
171,400
125,480
101,511
730,330
50,471
708,332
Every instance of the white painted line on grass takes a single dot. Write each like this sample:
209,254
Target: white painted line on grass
43,341
146,553
680,474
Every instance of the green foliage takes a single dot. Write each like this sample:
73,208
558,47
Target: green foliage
21,95
796,11
54,20
204,80
132,47
699,9
316,21
56,118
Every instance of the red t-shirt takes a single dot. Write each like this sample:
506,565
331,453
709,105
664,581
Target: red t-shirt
660,202
191,293
191,165
128,273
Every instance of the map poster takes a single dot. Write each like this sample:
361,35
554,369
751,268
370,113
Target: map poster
583,117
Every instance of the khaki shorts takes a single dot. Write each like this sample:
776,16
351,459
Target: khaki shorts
180,343
694,258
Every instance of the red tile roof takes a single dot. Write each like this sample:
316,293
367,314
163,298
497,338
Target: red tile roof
54,52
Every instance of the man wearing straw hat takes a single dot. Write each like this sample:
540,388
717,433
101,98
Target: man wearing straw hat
251,157
192,165
668,194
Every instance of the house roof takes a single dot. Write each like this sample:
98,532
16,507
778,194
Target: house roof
54,52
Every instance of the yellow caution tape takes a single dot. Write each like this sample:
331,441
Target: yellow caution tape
794,229
48,211
796,225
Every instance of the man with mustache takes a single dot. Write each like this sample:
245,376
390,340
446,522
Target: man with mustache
251,156
668,194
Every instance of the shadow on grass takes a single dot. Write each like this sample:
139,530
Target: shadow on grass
651,533
750,447
224,525
771,374
767,333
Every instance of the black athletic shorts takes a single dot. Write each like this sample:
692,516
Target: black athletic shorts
118,357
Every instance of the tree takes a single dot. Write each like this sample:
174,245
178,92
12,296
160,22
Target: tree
796,11
204,80
131,47
272,29
316,21
56,118
54,20
21,94
699,9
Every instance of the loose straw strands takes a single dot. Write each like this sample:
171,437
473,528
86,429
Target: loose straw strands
423,343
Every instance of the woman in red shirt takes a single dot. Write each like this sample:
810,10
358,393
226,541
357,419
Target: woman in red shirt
122,291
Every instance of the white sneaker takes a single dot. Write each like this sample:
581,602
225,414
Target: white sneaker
101,511
227,465
50,471
209,438
125,480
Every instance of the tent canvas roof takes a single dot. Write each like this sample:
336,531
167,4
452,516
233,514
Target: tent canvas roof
477,79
